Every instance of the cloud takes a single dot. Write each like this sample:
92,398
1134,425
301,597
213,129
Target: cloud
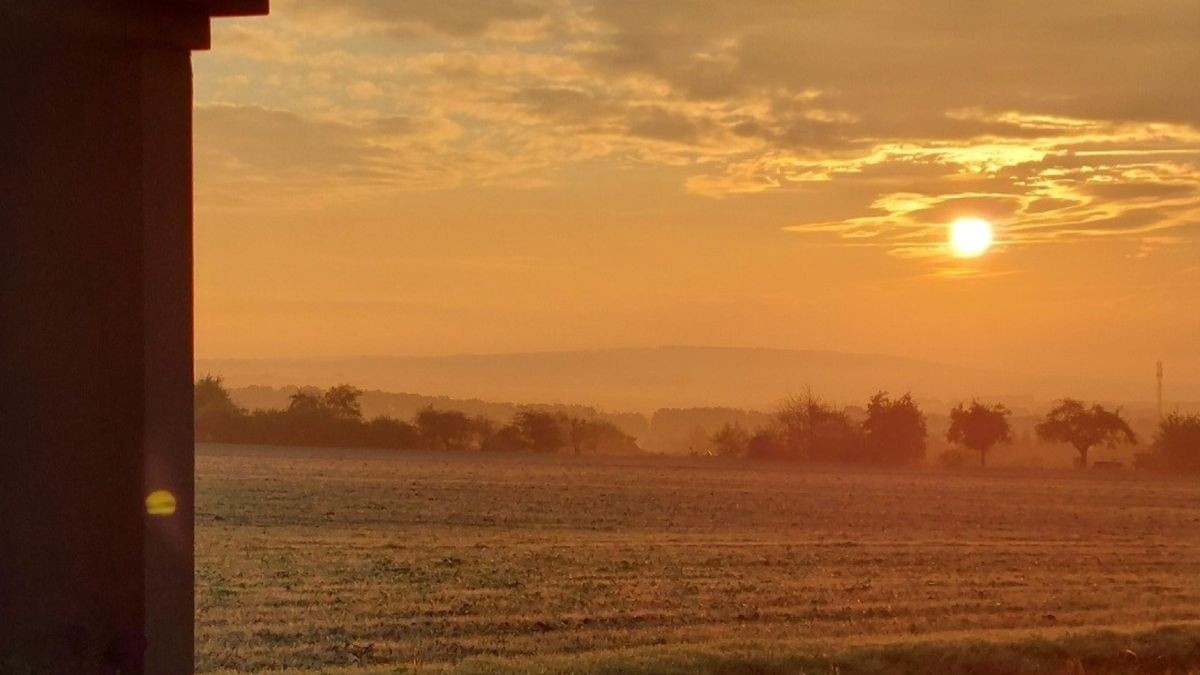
1138,190
363,90
257,42
1056,121
1054,198
663,124
404,19
904,62
275,150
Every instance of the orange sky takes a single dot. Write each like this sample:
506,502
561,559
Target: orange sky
432,177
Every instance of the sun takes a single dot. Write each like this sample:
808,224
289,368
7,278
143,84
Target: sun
970,237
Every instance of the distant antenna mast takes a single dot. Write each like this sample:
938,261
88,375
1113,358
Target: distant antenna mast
1160,402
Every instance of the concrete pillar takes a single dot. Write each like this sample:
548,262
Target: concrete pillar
96,334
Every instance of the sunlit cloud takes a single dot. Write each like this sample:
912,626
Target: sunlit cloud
344,96
253,150
1043,189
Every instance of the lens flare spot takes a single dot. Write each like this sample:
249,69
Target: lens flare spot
160,503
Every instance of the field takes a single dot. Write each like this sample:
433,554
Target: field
381,562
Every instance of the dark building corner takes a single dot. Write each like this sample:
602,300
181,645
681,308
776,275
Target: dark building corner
96,332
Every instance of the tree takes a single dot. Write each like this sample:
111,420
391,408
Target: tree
211,395
1070,421
342,402
579,433
979,427
894,429
444,429
607,438
507,439
731,440
1178,442
390,433
767,444
541,430
306,403
482,428
216,416
814,430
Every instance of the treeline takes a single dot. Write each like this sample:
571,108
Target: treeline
809,429
405,406
333,418
894,431
887,431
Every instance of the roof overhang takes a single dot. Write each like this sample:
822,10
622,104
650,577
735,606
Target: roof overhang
230,7
171,23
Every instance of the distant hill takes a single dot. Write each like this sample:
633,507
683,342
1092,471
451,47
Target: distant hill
647,379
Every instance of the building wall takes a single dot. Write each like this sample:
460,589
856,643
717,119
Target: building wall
95,352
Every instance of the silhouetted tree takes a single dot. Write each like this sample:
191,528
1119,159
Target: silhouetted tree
979,427
894,429
579,433
482,428
444,429
1070,421
767,444
306,403
390,433
607,438
541,430
306,421
507,439
211,395
342,402
675,430
812,429
731,440
216,416
1177,441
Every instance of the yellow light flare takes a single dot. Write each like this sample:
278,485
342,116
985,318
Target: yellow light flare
160,503
970,237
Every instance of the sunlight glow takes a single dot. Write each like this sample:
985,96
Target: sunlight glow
970,237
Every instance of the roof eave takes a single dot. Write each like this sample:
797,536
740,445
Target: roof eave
232,7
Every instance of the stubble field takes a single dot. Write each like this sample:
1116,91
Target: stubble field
376,561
